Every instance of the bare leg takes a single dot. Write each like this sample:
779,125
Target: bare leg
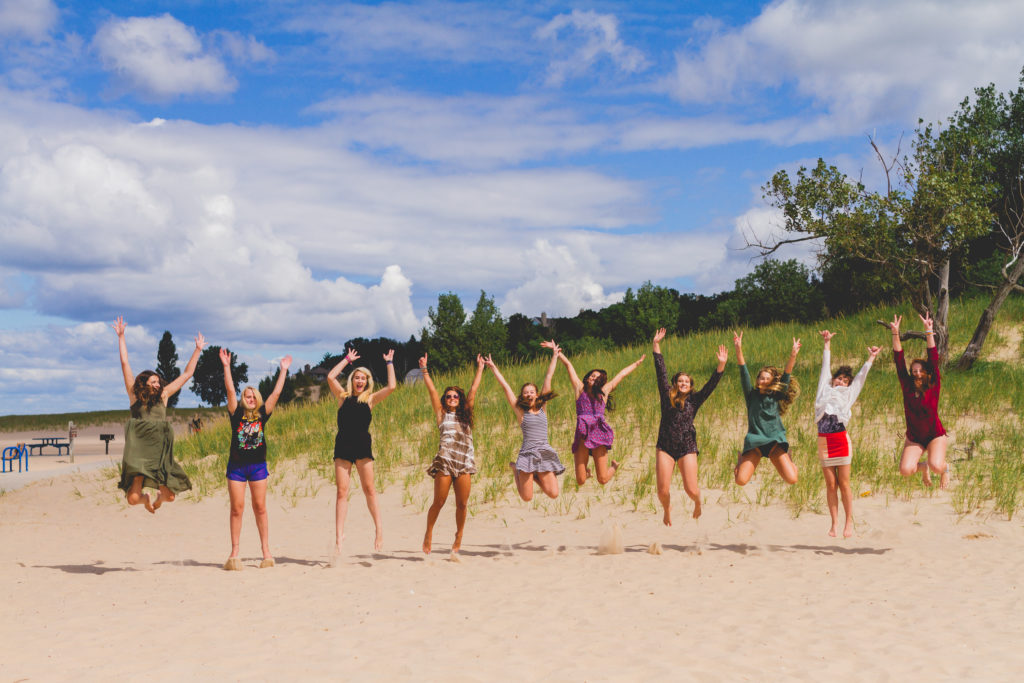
136,496
604,468
236,496
843,475
524,483
365,468
442,483
581,457
462,487
784,465
937,459
343,478
910,462
688,468
258,492
663,466
548,482
832,496
164,495
746,466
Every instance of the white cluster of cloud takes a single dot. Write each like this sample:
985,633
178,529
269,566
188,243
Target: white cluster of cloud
864,61
163,58
592,36
32,19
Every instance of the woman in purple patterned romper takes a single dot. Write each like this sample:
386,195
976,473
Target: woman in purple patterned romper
593,433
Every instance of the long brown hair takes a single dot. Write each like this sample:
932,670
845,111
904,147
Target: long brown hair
538,402
144,393
929,371
463,413
594,392
675,397
785,394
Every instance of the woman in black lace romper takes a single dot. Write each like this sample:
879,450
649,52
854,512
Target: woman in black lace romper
677,437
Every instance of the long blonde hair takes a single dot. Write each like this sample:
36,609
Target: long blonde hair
367,392
253,414
785,394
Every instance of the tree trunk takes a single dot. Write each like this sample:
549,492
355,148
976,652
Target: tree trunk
988,316
940,316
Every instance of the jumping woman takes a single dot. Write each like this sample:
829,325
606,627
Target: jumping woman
247,461
537,460
925,434
352,445
677,436
593,433
454,463
148,438
833,404
766,403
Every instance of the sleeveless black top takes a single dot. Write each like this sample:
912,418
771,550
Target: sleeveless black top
353,440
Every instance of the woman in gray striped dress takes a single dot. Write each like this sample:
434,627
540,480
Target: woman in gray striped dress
454,463
537,460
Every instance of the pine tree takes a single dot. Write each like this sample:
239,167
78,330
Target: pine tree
167,364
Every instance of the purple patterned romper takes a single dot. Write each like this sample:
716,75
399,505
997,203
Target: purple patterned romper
592,430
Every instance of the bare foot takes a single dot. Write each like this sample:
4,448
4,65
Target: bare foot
147,504
427,540
378,542
158,502
667,519
457,545
944,479
696,509
614,465
926,477
832,531
848,529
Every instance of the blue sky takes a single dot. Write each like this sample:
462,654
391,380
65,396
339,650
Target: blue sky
284,176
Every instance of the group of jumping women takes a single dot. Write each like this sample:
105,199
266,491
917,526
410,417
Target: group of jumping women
149,459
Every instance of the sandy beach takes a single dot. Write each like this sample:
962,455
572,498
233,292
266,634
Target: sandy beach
95,590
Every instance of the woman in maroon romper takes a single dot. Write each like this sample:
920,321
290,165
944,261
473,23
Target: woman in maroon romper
925,433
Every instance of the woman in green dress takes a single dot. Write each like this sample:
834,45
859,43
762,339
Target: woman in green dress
148,438
767,400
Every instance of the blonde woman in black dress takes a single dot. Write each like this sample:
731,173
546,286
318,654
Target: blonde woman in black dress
677,437
352,445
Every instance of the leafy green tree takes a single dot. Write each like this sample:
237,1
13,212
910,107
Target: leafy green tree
266,386
208,380
486,331
444,338
523,337
167,364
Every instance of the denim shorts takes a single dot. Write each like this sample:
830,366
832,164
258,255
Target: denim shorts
256,471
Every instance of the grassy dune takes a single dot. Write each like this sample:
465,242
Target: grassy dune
980,407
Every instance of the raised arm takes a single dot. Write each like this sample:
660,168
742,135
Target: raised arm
792,357
229,383
332,377
555,350
825,377
510,395
700,396
660,374
126,368
435,400
929,332
862,375
190,369
610,385
471,398
577,383
894,326
737,341
271,402
381,394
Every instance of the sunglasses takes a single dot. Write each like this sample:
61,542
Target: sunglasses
450,396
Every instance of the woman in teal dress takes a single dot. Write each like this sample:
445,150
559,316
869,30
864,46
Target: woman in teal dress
767,400
148,438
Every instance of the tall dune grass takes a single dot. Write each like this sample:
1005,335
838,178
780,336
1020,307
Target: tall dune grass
979,407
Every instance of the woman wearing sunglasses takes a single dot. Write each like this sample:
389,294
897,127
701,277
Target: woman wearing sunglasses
454,463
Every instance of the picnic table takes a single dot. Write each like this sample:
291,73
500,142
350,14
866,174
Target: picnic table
61,443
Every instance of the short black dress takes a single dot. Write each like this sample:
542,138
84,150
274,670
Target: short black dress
353,440
677,435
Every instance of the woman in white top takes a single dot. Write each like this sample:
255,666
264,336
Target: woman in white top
837,392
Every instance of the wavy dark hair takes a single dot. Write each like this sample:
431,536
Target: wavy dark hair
594,392
538,403
463,412
144,394
843,371
926,365
785,394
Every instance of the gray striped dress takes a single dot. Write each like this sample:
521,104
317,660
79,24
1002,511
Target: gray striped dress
536,454
455,450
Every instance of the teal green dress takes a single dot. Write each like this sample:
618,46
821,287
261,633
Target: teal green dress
149,451
764,426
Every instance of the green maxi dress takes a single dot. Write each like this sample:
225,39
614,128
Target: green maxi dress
149,451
